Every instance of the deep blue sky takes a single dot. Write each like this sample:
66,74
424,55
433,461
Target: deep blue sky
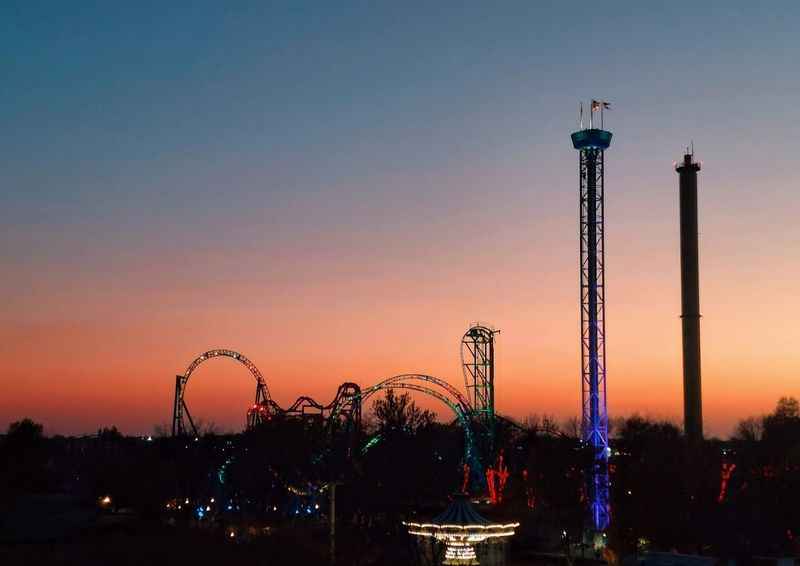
102,95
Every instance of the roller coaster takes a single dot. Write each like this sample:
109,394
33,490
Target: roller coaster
474,411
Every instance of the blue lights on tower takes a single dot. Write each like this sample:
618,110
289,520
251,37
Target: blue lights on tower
591,144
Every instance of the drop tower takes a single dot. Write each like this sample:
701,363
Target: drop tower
591,144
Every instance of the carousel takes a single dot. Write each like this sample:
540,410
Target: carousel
460,528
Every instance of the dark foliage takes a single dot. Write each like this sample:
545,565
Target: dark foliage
733,500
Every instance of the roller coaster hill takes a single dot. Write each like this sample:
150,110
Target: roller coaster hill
334,437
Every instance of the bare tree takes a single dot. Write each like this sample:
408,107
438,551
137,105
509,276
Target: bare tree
161,430
571,427
750,429
550,425
399,413
544,424
532,422
787,408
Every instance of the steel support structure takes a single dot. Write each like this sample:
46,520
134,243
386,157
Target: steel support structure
591,145
179,408
342,417
477,360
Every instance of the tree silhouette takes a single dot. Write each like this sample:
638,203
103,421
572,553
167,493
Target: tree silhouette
23,457
400,414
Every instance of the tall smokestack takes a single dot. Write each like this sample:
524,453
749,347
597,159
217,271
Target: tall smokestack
690,299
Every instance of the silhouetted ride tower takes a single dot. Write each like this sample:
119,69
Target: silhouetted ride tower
690,299
591,144
477,359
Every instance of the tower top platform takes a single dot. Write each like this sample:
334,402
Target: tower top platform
591,139
688,163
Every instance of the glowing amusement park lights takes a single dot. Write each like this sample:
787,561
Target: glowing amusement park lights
460,553
460,528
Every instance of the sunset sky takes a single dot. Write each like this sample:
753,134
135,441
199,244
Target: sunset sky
337,190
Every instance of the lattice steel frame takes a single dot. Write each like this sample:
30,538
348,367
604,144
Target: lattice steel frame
593,331
477,360
179,408
340,417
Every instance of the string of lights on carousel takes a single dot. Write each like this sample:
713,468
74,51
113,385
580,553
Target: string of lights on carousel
460,527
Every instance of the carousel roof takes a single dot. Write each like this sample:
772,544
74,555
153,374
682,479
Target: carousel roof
460,512
461,518
459,527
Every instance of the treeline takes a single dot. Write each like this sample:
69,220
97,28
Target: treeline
729,499
735,499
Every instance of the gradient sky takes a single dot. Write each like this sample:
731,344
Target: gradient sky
338,189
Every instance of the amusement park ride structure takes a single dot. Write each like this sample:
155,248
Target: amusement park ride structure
474,412
477,361
591,144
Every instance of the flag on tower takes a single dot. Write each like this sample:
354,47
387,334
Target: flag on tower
600,104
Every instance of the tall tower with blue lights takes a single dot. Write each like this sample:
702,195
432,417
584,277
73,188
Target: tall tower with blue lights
591,144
